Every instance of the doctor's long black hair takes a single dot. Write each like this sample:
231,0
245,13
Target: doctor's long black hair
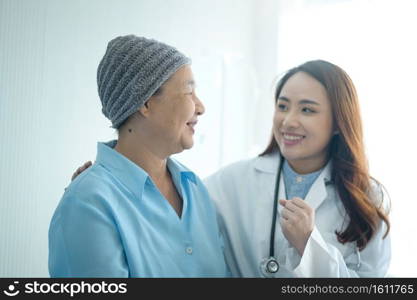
349,172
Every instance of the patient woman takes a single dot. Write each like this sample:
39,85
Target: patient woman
137,212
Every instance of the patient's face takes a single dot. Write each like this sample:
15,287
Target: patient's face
174,111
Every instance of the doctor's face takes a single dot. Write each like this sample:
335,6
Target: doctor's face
303,123
174,112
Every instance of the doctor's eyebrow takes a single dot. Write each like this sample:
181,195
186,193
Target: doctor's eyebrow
301,102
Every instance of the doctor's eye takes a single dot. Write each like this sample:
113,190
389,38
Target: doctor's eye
308,110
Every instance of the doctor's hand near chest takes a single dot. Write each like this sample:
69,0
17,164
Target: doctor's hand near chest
297,222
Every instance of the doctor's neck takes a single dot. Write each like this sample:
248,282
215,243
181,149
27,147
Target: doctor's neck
307,166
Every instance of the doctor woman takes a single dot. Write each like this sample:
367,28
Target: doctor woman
306,206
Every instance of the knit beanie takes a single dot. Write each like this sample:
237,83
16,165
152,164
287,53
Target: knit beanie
131,71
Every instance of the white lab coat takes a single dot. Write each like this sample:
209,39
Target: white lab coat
243,193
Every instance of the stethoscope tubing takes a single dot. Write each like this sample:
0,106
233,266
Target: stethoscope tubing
275,209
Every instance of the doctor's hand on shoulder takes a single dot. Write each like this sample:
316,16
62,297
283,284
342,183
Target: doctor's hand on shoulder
81,169
297,222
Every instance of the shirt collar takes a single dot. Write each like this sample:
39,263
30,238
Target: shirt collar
178,169
130,174
291,175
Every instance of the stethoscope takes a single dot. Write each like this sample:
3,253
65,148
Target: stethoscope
270,265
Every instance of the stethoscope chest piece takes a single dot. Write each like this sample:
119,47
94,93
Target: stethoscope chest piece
269,266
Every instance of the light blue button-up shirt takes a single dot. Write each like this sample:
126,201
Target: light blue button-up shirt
112,221
298,185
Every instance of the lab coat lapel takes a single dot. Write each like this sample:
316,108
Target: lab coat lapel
318,192
268,166
281,193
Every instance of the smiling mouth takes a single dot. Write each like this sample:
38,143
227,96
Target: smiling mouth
292,137
191,124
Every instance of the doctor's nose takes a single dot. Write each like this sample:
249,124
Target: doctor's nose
290,120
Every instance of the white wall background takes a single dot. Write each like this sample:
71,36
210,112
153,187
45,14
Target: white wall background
50,113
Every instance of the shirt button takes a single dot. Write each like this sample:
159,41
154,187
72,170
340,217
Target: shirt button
189,250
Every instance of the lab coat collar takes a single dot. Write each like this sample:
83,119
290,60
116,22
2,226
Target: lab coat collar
317,193
130,174
267,163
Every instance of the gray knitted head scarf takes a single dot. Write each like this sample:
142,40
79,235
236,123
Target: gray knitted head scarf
131,71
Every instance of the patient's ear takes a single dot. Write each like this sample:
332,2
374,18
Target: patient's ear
144,110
